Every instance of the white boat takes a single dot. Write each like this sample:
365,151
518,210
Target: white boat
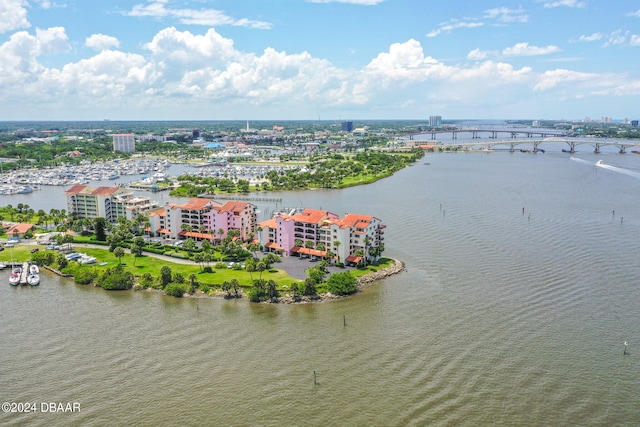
86,259
14,279
33,279
33,269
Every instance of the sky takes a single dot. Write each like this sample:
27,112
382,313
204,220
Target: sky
319,59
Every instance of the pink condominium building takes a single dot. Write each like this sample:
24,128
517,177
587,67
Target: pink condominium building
203,219
322,233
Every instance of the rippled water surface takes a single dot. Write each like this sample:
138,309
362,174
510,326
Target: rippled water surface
521,288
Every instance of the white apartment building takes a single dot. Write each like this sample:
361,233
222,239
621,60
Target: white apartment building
124,142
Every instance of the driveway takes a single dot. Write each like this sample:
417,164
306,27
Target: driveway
297,267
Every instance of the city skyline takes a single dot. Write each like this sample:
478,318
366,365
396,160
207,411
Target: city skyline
318,59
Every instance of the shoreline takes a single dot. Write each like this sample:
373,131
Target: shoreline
361,282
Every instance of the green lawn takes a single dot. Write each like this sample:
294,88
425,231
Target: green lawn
146,264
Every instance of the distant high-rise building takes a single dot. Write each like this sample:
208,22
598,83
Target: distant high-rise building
347,126
634,123
196,133
124,142
435,121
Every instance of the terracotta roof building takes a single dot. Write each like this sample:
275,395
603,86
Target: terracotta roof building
204,219
315,232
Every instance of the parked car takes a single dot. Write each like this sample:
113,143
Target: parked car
34,250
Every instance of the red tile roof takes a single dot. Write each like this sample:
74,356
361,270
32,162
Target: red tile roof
233,206
196,204
105,191
77,189
270,223
273,245
310,216
354,220
20,228
196,235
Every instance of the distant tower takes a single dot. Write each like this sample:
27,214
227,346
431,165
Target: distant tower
435,121
196,133
247,125
347,126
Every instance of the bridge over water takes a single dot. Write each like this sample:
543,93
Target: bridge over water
571,143
493,133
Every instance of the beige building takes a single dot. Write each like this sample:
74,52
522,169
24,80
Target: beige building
84,201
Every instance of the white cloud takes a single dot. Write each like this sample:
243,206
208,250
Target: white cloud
562,3
552,78
505,15
101,42
592,38
496,16
13,15
635,40
453,25
48,4
524,49
187,75
616,38
52,40
206,17
634,14
478,55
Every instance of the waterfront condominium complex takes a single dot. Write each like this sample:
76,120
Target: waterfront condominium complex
84,201
204,219
316,232
124,142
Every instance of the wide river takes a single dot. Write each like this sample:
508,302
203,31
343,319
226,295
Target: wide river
520,291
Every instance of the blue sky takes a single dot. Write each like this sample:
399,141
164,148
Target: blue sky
310,59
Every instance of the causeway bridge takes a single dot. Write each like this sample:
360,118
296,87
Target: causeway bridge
571,143
493,133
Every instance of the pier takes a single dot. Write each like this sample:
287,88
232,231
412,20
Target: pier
240,198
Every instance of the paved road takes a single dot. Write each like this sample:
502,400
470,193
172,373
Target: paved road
294,266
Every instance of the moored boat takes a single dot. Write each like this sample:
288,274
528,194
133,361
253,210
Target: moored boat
33,269
33,279
14,279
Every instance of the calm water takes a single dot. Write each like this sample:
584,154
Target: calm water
503,317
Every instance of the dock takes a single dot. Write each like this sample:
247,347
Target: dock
24,273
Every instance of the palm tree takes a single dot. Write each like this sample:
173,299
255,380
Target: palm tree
336,244
193,279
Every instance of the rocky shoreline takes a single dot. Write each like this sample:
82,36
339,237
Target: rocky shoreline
362,281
